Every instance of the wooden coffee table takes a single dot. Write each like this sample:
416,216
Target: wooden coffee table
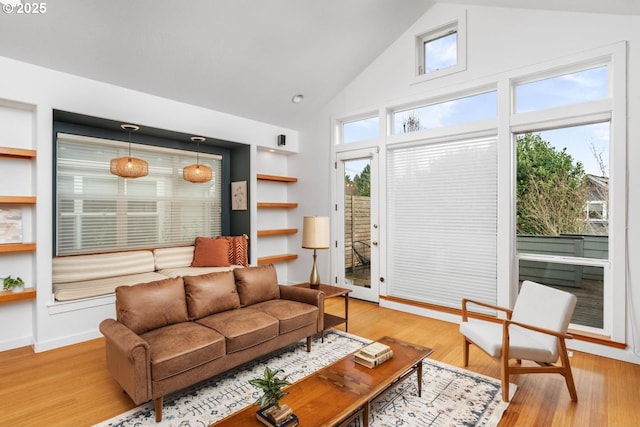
337,394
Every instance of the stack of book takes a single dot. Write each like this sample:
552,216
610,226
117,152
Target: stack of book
277,417
373,354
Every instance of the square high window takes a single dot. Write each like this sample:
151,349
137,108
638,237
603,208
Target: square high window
441,51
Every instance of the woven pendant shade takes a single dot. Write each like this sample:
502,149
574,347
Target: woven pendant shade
197,173
129,167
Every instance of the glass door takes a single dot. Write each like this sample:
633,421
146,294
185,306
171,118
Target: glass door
357,227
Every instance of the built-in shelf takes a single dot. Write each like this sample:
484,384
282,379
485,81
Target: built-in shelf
281,205
276,258
263,177
18,153
8,296
18,200
277,232
17,247
280,231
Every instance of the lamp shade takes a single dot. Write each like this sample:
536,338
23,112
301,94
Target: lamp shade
129,167
197,173
315,232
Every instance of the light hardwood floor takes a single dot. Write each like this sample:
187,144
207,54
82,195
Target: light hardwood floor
71,386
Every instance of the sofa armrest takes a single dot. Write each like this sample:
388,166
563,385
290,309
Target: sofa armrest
128,360
308,296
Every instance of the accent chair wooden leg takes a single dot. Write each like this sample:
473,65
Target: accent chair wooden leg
504,362
566,370
505,378
308,344
158,408
465,352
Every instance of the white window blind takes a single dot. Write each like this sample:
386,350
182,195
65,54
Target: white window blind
442,221
100,212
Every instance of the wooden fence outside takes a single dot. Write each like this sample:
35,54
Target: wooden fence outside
357,226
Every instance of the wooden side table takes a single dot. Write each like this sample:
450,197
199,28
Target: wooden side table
331,291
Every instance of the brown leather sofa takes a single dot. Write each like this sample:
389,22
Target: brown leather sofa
173,333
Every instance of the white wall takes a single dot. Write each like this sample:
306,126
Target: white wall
499,40
48,325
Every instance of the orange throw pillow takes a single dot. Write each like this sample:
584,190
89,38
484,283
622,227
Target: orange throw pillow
211,253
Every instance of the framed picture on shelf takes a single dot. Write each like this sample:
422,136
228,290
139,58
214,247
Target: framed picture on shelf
10,225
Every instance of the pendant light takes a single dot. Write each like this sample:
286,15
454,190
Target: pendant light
197,173
129,167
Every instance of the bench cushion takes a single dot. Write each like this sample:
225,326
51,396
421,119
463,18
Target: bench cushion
242,328
97,287
210,293
151,305
99,266
179,256
182,346
194,271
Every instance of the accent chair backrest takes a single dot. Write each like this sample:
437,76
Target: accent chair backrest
545,307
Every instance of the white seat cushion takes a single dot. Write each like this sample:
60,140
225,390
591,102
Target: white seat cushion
524,344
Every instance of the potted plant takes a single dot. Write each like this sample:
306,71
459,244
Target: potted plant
269,402
13,285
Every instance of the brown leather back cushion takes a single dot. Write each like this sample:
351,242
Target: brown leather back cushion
257,284
151,305
210,293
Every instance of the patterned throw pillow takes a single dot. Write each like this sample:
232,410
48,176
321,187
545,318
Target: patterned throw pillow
238,249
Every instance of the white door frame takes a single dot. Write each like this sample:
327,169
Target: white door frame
359,292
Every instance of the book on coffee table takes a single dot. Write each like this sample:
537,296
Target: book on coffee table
273,417
365,359
375,349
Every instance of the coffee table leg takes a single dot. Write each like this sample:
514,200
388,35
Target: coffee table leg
419,379
365,415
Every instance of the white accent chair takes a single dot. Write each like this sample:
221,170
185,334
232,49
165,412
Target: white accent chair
534,330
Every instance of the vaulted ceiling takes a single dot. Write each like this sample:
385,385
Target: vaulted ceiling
243,57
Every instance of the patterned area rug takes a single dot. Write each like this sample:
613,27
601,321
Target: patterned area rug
450,396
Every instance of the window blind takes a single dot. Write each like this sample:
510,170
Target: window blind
100,212
442,200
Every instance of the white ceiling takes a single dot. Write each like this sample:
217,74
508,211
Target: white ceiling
243,57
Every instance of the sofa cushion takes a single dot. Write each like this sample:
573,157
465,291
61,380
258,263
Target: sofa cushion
257,284
210,293
151,305
291,315
180,347
211,253
242,328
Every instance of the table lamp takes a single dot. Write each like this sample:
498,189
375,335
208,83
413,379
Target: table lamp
315,235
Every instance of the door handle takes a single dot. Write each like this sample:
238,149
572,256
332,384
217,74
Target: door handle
374,243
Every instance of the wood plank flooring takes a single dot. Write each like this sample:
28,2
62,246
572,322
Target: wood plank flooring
71,386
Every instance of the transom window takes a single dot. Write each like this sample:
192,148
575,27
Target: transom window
566,89
360,130
453,112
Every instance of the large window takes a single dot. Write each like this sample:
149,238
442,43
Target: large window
563,191
442,215
100,212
